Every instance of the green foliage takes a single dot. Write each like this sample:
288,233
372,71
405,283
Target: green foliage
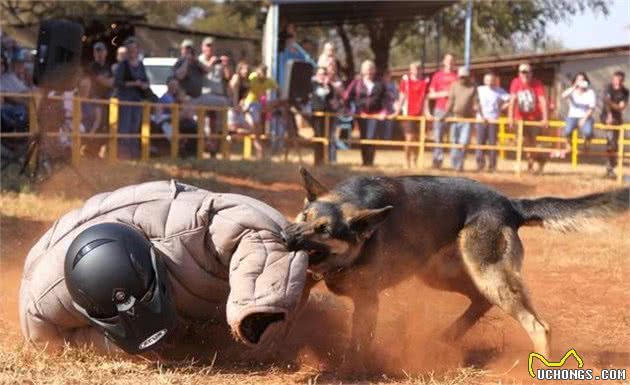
32,11
231,17
499,27
497,21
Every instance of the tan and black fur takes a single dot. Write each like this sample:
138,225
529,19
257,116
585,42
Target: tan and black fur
455,234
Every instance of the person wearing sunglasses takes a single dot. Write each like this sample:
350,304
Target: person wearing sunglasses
133,268
528,102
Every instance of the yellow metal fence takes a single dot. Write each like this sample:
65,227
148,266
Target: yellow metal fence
507,141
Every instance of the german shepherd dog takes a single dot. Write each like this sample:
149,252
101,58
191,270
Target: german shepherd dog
456,234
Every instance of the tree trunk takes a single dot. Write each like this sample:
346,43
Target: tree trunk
348,68
381,35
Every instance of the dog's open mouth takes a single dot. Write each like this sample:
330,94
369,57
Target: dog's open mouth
317,253
316,256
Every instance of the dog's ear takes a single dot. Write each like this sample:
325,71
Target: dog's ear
365,221
312,186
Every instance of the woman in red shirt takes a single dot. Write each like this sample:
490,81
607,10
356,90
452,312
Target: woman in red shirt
412,102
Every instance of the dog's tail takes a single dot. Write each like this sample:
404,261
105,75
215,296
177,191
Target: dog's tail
573,214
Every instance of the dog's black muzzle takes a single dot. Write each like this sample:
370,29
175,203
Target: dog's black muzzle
290,240
294,240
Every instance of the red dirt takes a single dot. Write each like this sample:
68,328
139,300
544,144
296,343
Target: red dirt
578,283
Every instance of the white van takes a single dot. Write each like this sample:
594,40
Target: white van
159,69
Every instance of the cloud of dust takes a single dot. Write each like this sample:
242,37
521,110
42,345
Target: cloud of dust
407,340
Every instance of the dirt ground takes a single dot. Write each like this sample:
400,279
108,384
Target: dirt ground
579,284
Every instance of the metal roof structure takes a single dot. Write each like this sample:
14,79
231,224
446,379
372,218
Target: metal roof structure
330,12
513,60
335,12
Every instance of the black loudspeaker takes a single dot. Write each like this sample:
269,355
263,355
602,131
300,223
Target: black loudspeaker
58,60
297,86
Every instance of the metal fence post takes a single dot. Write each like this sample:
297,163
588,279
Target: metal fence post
326,142
620,143
501,138
113,129
76,131
247,147
225,136
145,132
32,114
423,138
201,139
519,147
574,149
33,128
175,132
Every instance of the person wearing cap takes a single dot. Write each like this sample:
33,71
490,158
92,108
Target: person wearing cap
189,71
218,69
582,101
215,87
528,102
101,72
20,59
13,111
463,102
438,90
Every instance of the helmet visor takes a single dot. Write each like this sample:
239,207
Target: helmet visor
141,323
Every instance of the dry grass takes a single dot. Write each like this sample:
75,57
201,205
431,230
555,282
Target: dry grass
579,283
27,365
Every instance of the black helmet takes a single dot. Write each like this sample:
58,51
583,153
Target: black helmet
117,279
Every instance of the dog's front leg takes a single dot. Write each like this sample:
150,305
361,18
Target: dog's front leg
364,318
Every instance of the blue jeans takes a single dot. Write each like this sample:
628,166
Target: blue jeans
319,125
14,117
612,145
369,129
486,134
276,130
388,129
438,133
570,124
129,120
460,134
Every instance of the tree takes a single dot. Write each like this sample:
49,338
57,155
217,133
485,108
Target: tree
497,25
23,12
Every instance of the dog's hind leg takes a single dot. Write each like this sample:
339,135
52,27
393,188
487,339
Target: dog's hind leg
479,306
492,255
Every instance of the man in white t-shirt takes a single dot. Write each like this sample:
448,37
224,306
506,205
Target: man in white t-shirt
492,100
581,106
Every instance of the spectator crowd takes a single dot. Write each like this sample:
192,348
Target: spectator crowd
368,103
452,92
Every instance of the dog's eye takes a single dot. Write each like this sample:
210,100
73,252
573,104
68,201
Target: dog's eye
320,229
